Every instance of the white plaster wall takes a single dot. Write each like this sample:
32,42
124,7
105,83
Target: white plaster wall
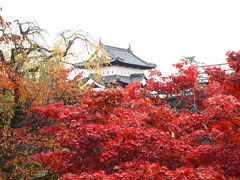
118,70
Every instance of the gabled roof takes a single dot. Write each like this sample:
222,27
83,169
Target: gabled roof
124,79
123,57
126,57
114,79
88,81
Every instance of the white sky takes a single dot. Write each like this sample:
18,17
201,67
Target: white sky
159,31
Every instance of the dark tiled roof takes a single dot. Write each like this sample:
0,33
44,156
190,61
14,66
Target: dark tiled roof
123,57
117,79
124,79
126,57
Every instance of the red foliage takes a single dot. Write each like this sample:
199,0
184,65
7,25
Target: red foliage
146,170
135,134
233,59
230,82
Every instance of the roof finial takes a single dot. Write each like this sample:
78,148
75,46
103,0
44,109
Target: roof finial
129,48
100,41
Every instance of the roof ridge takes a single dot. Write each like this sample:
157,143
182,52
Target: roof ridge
129,51
218,64
114,47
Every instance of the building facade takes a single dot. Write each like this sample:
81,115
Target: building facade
125,67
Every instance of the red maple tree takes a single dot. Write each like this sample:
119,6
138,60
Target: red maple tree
173,128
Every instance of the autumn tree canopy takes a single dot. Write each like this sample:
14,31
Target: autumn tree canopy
171,128
32,73
136,133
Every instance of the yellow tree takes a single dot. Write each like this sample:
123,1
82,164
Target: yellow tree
33,73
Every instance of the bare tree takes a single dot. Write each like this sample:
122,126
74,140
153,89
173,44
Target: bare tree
24,49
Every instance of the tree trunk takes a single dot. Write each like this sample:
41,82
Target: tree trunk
18,115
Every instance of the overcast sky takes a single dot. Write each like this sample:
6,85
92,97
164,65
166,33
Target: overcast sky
159,31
